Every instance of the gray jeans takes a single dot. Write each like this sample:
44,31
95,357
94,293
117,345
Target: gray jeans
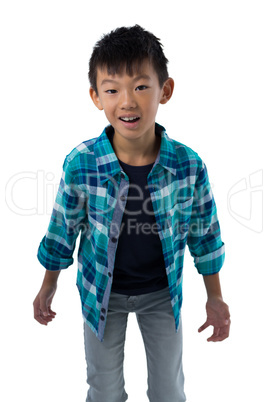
163,348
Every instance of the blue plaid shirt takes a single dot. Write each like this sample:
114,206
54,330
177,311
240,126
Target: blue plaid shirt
91,199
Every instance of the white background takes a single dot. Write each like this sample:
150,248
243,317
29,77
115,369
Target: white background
218,59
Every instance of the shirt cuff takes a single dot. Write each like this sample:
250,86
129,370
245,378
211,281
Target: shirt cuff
52,262
210,263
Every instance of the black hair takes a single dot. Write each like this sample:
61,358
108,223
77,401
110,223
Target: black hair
127,47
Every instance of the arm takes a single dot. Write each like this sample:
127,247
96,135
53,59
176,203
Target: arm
56,248
217,311
51,278
213,286
69,213
208,250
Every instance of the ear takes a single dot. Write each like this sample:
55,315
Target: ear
95,98
167,90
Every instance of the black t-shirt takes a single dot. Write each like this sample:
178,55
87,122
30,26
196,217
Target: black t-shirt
139,261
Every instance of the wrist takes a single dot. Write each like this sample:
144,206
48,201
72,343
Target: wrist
213,287
215,297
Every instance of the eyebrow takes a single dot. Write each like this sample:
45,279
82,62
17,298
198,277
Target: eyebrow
142,76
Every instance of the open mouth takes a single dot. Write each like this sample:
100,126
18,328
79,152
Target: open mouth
129,119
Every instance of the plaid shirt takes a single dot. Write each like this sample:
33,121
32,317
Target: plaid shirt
91,199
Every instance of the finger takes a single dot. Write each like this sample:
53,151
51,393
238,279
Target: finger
215,334
204,326
220,335
37,312
217,338
36,309
51,312
38,317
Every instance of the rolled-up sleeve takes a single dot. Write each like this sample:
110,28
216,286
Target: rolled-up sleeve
69,212
204,237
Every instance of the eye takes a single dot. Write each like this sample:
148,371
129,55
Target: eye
111,91
141,87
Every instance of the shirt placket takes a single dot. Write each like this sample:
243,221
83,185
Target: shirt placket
112,246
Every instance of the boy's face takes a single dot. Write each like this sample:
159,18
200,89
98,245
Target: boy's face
130,103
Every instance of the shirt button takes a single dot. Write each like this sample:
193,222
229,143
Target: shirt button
103,310
114,239
102,318
109,274
122,198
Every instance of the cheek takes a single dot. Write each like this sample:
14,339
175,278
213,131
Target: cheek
108,114
151,106
151,102
107,108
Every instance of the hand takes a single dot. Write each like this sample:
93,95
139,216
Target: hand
42,305
219,317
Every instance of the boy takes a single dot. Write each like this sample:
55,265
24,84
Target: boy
137,197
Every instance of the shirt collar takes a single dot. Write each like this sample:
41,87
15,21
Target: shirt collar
108,164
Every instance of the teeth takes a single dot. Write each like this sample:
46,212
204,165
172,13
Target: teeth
129,118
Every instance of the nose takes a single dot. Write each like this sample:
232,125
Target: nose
127,100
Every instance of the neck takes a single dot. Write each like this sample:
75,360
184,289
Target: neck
137,151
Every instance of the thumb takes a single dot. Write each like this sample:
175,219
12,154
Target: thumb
204,326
